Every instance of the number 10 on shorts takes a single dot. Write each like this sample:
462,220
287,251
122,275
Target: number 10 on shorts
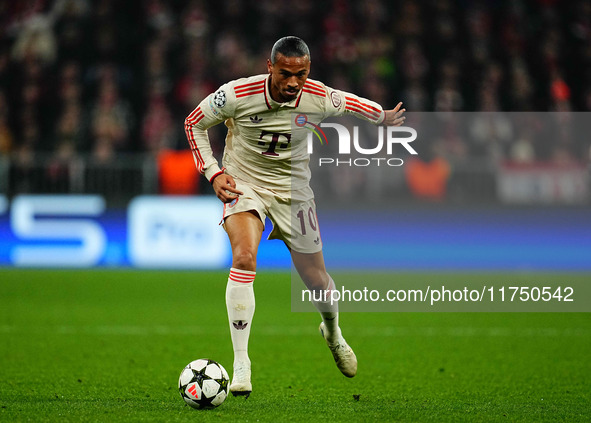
307,219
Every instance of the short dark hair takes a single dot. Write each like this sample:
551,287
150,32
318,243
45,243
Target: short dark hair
290,47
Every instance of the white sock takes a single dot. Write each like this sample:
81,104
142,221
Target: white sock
330,314
240,306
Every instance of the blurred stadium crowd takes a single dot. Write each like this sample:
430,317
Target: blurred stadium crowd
101,77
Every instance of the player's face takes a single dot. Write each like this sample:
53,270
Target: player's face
288,76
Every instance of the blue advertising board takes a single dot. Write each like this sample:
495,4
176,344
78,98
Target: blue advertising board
185,233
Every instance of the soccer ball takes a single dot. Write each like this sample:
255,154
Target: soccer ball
204,383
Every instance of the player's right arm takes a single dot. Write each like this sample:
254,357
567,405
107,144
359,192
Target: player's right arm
214,109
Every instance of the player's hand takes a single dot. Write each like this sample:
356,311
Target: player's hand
394,117
225,188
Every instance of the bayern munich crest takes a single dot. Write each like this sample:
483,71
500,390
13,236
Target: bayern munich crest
301,121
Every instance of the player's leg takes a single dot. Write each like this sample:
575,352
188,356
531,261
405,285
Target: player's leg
295,223
244,231
312,270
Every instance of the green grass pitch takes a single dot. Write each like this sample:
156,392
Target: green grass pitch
108,345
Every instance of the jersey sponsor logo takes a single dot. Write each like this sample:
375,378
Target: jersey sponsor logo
219,98
336,99
275,138
256,119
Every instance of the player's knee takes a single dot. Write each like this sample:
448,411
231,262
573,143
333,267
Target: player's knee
244,260
315,279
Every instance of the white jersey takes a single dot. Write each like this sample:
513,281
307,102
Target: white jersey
260,147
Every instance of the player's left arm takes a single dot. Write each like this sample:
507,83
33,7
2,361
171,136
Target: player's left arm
340,102
394,117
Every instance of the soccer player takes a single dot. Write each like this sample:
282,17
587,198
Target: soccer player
264,176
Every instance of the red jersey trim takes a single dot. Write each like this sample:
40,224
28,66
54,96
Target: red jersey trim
249,89
307,90
195,116
246,94
191,120
361,112
364,109
215,175
244,86
299,98
314,84
252,88
354,102
266,93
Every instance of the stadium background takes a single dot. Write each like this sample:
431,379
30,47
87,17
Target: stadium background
93,96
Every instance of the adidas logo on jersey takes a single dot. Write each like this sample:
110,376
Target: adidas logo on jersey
256,119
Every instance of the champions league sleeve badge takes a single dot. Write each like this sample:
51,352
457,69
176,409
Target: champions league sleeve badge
219,98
